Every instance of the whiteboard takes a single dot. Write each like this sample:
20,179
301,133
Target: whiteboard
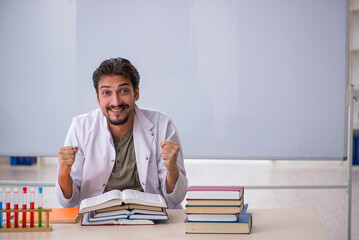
241,79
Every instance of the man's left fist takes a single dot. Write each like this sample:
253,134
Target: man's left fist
169,152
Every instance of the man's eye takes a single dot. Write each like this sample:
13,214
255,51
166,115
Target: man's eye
124,91
105,93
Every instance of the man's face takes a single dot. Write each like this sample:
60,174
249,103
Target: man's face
116,98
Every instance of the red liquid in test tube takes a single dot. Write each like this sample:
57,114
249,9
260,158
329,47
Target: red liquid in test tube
24,206
16,206
32,206
8,207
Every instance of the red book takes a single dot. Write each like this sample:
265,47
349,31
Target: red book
215,192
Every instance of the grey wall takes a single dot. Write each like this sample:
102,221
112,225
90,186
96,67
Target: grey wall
241,79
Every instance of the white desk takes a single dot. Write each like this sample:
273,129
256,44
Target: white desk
267,224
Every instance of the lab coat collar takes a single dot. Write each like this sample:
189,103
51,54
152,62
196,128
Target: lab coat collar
143,137
142,119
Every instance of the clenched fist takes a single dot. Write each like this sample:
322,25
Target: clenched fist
169,152
67,156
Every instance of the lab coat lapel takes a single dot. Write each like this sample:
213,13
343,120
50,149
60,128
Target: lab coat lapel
143,139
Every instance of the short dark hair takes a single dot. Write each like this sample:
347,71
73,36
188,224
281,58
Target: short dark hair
116,66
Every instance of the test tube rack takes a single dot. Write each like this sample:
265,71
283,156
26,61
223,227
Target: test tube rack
45,228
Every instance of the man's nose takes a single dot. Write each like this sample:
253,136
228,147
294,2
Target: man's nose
116,99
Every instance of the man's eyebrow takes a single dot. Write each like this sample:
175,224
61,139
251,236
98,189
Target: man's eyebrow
104,86
120,85
124,84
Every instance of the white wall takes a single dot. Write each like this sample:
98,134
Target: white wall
240,78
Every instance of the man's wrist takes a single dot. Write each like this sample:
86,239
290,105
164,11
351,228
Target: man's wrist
65,182
63,173
172,176
173,170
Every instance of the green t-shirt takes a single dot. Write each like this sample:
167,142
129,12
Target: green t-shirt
124,174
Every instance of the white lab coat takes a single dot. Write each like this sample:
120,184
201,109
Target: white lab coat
96,156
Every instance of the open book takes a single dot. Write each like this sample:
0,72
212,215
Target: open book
116,197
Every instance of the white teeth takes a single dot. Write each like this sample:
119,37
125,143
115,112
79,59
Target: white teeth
116,110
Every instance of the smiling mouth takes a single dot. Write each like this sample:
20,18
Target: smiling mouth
118,109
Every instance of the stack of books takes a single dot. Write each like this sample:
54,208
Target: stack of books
128,207
217,209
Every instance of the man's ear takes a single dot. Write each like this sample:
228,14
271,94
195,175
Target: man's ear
137,93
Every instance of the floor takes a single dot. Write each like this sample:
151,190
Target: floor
329,204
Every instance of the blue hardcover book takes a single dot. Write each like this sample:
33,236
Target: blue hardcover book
242,226
140,215
355,150
85,221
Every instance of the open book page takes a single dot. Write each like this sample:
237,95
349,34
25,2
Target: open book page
133,196
87,203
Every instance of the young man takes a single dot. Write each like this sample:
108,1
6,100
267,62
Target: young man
120,146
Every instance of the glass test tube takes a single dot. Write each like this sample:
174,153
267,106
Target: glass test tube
8,207
40,207
24,206
0,207
32,206
16,206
